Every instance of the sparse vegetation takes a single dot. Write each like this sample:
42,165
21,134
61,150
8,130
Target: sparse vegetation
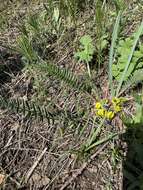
71,95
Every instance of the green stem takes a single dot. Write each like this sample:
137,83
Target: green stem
111,54
94,135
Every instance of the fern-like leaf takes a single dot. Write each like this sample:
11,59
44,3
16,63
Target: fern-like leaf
65,75
26,49
28,109
135,79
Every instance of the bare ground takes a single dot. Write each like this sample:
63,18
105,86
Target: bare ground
35,155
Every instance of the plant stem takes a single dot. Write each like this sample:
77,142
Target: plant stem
88,69
111,54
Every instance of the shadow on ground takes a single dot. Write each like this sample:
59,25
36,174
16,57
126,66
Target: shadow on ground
133,165
10,65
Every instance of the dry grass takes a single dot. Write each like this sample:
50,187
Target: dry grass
48,155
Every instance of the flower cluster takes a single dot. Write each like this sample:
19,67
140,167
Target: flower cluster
108,109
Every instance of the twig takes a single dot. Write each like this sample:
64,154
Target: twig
80,171
9,142
35,165
56,175
15,181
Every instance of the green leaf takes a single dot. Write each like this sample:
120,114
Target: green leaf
127,64
85,40
56,14
87,49
112,48
128,52
138,115
137,77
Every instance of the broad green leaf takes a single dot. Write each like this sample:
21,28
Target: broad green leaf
87,49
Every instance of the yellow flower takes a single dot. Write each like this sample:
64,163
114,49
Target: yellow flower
98,105
122,99
116,100
101,112
109,115
117,108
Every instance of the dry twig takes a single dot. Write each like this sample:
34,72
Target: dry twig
34,165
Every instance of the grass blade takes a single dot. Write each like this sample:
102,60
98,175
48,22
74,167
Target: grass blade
137,36
102,141
111,54
95,134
